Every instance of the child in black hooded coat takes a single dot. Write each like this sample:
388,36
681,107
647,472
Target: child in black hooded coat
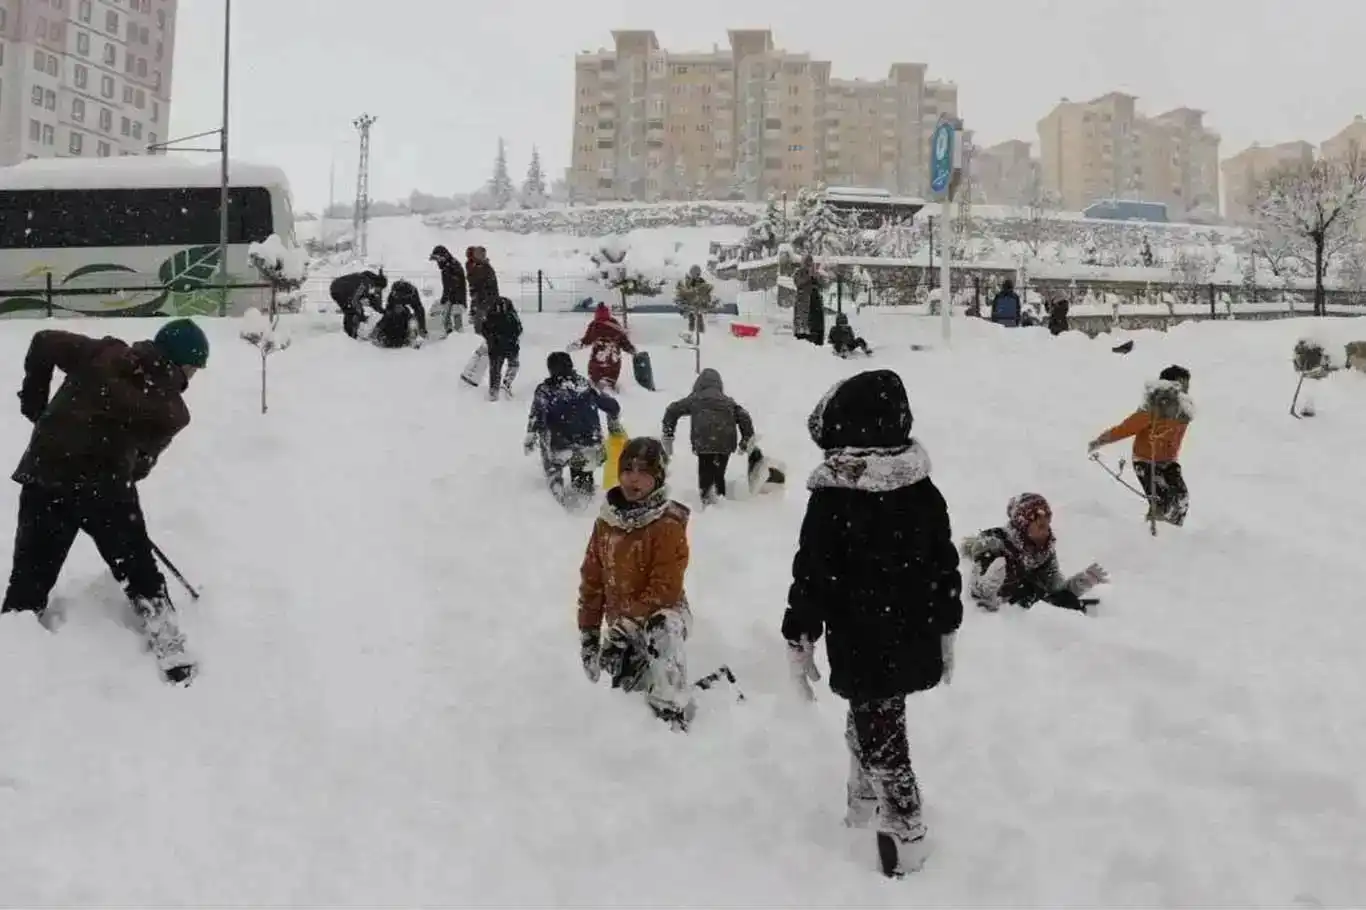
876,571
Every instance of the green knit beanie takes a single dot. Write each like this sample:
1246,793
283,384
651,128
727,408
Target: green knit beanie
183,343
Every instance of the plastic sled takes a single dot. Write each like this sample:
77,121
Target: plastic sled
744,330
765,474
643,370
615,443
477,367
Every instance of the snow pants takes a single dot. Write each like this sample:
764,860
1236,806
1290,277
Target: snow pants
711,476
48,523
1165,485
650,657
581,461
882,787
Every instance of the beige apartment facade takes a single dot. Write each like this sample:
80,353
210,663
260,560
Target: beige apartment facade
1106,149
1245,171
1004,174
745,121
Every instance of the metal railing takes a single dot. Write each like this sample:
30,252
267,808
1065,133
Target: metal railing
45,300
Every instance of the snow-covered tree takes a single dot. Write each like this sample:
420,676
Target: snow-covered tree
1040,204
1313,208
1192,270
817,223
534,194
765,236
500,188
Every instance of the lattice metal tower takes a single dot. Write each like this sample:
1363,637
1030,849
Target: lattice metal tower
360,218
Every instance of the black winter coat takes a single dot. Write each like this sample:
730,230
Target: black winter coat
354,290
483,284
502,330
876,569
453,290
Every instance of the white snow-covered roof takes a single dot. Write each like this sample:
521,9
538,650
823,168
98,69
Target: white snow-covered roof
134,172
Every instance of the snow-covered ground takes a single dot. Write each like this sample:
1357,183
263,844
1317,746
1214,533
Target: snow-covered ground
391,710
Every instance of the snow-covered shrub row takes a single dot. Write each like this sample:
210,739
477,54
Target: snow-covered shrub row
601,221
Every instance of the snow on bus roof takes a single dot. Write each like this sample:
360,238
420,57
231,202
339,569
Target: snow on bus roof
133,172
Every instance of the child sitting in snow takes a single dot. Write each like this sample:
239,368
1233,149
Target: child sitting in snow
843,340
1158,428
633,613
719,427
1018,563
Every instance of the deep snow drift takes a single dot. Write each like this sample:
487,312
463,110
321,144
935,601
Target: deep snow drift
391,709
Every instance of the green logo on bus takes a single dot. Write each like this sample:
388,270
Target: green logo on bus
186,284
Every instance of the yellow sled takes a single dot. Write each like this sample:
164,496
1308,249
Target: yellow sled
615,443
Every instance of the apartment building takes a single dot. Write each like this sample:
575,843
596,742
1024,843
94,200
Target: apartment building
1105,149
1350,140
1245,171
1004,174
84,78
744,121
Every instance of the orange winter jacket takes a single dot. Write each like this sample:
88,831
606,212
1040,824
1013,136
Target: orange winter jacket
633,568
1158,426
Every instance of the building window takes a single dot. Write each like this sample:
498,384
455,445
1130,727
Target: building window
139,99
77,143
85,10
127,94
142,68
160,51
106,119
2,44
78,110
49,134
111,54
52,65
156,80
144,36
83,43
35,131
137,129
50,99
156,111
107,86
102,149
124,126
151,140
129,62
82,75
111,22
161,19
54,32
39,58
3,16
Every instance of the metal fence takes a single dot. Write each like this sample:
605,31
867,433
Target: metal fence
49,299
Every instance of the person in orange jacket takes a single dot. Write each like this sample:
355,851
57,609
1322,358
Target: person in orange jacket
1158,428
633,613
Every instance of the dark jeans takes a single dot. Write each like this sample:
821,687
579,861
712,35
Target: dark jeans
1163,483
48,522
352,317
711,474
880,767
498,363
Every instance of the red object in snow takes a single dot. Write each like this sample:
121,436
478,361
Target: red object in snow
744,330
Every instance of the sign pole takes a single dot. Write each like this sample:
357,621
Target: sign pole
945,168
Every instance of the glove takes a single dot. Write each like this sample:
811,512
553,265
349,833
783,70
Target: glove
1094,445
801,656
590,650
33,399
614,427
746,445
1085,580
142,466
986,588
946,652
529,444
668,443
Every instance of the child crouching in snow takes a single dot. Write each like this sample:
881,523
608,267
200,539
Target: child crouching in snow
633,613
1018,563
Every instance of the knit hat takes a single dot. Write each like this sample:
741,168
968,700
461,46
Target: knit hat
183,343
1023,509
647,453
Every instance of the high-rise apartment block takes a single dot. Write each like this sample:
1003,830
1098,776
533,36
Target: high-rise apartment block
744,121
1005,174
84,78
1244,172
1106,149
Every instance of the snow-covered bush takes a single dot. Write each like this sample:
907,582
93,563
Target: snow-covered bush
284,268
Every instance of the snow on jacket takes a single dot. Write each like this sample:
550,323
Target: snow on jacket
502,329
564,412
1158,426
876,570
605,331
483,283
636,559
715,417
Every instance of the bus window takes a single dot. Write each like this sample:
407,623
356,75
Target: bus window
178,216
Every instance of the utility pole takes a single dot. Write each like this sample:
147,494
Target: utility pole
223,194
360,218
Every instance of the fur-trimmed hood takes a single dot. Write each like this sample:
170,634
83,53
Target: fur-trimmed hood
1166,400
871,470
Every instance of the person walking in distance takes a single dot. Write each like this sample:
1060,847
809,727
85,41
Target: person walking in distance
118,408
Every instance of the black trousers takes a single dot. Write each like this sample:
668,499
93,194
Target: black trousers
1164,483
711,474
880,767
48,522
503,367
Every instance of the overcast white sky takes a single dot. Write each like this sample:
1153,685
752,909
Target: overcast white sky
448,77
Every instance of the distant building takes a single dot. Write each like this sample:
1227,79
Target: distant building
1245,171
744,122
1004,174
84,78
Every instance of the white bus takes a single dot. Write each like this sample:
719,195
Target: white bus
133,235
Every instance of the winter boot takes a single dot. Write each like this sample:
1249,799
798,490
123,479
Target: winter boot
164,638
900,857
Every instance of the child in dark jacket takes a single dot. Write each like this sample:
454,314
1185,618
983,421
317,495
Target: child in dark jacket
716,418
633,611
1158,428
1018,563
565,426
877,572
502,331
843,340
403,322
